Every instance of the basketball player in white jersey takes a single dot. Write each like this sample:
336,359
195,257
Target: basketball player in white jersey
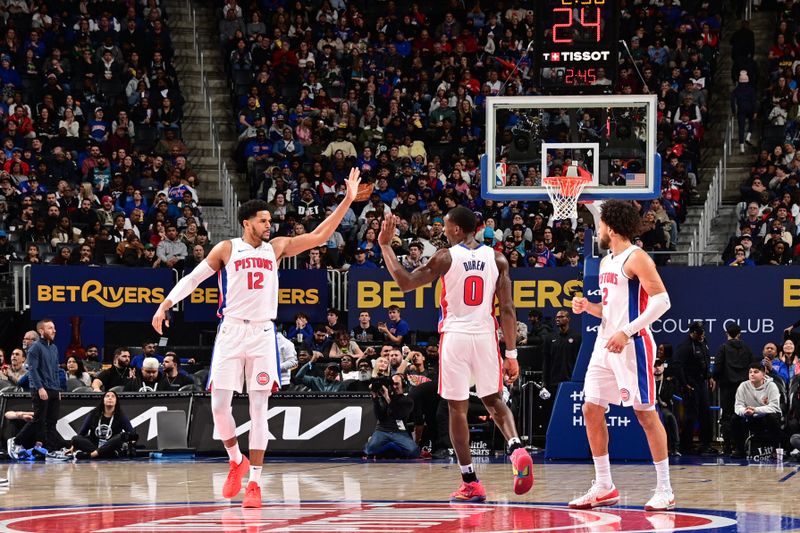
246,346
621,368
472,274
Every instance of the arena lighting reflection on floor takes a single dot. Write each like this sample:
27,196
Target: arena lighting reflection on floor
400,517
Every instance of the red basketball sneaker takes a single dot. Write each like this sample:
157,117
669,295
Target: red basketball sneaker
472,492
233,484
522,466
252,495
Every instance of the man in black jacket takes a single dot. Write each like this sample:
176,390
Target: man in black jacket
392,409
559,352
537,333
692,369
731,369
45,392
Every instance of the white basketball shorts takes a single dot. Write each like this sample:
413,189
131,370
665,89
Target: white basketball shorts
624,378
245,350
466,359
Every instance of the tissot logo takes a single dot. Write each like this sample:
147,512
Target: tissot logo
596,55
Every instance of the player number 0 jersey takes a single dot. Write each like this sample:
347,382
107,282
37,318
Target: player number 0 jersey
468,287
248,284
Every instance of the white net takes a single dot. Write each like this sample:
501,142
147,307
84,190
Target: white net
564,192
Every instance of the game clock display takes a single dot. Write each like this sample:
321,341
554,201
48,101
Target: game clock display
578,49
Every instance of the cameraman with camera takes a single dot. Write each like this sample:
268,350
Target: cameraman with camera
393,407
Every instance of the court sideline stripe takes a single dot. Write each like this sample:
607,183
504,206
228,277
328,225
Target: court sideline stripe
789,475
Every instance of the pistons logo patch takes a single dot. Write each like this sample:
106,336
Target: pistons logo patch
625,394
262,378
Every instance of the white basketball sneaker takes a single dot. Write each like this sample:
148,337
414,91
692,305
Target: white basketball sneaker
596,497
662,500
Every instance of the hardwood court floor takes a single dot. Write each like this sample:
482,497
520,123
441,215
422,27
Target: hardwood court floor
333,494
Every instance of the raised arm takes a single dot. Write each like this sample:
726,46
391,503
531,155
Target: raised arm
291,246
438,264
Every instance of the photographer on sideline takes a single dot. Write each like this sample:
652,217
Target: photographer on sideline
392,408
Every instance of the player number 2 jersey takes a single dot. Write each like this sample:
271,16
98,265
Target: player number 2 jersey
248,285
467,301
623,298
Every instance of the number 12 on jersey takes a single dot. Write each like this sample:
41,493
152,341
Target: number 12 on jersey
255,280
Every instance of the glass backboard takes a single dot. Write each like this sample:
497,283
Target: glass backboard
610,138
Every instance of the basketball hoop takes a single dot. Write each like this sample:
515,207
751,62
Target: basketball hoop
564,192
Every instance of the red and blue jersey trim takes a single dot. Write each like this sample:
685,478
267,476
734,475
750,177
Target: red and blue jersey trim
222,280
442,306
643,343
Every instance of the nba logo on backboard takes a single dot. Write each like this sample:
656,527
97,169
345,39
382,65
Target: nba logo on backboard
500,175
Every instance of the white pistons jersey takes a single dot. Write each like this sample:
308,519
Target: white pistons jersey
248,285
624,299
467,301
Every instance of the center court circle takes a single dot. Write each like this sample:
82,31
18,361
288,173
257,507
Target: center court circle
365,516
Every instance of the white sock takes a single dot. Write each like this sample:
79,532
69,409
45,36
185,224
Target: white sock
602,471
513,440
234,454
255,474
662,474
467,469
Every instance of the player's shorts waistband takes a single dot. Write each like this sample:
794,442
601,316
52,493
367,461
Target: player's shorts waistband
233,320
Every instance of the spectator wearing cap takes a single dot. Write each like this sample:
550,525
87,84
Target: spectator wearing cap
360,260
98,126
740,254
330,382
100,175
287,148
731,369
8,75
415,258
106,212
692,368
757,410
275,132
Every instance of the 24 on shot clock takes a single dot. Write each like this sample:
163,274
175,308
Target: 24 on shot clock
578,51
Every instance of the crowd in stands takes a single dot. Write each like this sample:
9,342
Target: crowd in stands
399,90
769,209
94,170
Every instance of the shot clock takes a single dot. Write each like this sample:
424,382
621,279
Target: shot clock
578,47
